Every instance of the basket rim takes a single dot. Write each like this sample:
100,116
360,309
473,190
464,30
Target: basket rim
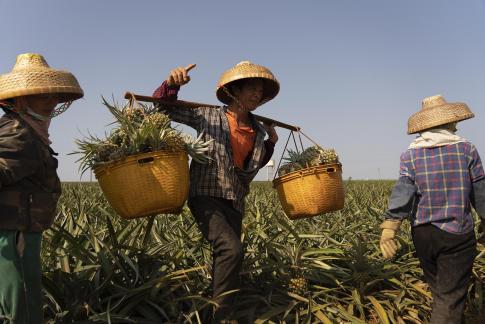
306,172
98,170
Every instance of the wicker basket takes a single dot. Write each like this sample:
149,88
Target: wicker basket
311,191
146,184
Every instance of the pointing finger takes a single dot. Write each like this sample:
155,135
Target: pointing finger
190,67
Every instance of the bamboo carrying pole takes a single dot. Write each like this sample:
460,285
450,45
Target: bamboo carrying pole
190,104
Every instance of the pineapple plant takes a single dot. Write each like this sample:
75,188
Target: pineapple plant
297,283
139,129
312,156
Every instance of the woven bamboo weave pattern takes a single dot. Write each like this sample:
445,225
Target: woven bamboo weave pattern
32,75
312,191
37,83
146,184
244,70
435,112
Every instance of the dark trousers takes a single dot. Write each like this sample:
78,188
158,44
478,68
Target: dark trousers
20,283
447,261
221,224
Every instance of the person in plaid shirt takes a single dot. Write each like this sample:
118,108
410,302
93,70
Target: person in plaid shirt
441,178
237,151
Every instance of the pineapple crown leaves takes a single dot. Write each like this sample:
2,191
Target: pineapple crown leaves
312,156
293,156
198,149
292,252
138,129
89,148
121,118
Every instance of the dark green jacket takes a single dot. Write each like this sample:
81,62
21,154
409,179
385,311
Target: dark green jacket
29,185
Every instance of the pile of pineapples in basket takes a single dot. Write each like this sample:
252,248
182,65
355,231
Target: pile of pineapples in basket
312,156
142,164
310,183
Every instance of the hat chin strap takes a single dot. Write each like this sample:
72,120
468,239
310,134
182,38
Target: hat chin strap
57,111
62,108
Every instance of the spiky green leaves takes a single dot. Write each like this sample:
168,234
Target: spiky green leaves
312,156
138,129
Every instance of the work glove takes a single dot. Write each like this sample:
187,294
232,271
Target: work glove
388,244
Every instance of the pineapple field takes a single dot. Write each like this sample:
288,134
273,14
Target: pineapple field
100,268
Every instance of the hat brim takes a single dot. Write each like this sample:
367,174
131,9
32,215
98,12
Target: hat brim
437,116
40,81
270,88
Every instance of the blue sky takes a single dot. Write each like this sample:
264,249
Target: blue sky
351,72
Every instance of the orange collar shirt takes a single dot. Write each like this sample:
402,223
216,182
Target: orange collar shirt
242,140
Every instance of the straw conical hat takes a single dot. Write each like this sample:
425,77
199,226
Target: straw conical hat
32,75
246,70
435,111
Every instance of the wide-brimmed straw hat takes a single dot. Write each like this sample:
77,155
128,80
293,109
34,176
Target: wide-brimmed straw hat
435,111
31,75
246,70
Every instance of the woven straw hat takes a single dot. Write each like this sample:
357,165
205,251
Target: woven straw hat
435,111
32,75
246,70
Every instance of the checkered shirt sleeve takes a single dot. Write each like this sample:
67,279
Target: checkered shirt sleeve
475,165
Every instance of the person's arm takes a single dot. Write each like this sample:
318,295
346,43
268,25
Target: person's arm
402,199
478,198
166,92
400,206
269,144
269,150
187,116
477,177
169,89
478,203
18,158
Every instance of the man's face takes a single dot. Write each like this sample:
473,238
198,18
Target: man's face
43,104
250,94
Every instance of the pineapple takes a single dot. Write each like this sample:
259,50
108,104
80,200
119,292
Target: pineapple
117,154
119,137
157,119
312,156
328,156
138,129
104,150
133,115
298,283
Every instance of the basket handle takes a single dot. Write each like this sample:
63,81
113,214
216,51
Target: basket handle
331,170
132,100
149,159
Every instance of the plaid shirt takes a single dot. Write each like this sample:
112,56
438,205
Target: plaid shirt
441,178
218,178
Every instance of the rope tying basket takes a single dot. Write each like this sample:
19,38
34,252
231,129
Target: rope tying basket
146,184
310,191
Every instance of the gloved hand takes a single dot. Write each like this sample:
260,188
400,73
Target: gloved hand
388,244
